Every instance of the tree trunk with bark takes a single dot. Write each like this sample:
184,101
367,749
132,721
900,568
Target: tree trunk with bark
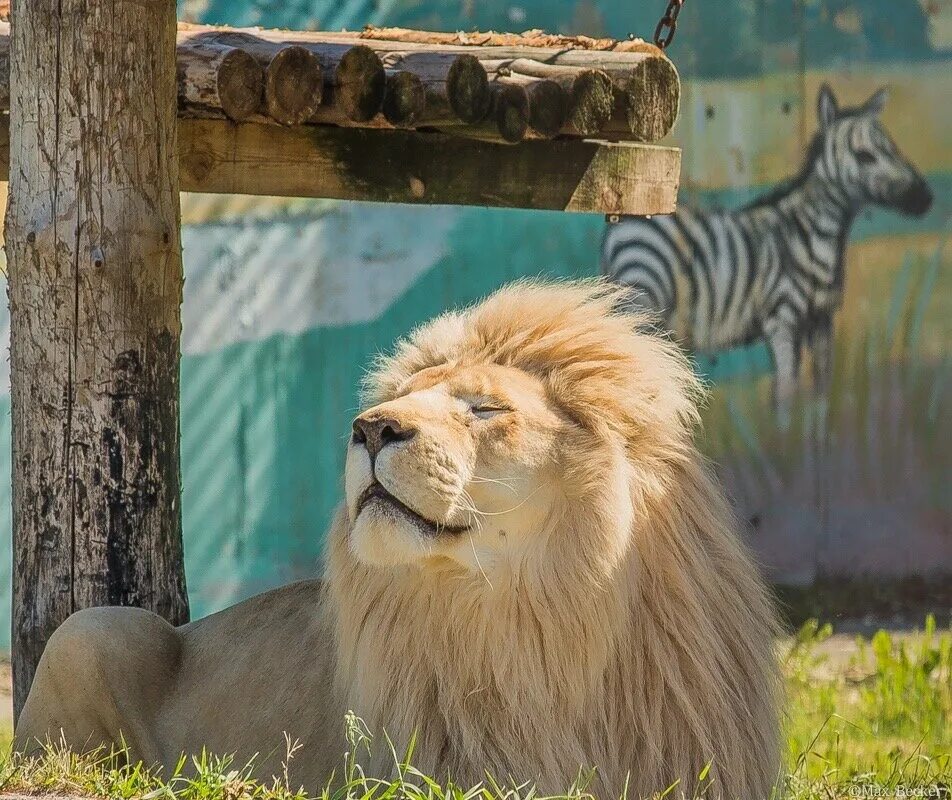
95,271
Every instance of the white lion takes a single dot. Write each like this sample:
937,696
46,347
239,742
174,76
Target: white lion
534,572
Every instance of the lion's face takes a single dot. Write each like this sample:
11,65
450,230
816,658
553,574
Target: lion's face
463,464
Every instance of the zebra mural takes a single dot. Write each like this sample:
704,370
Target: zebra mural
773,269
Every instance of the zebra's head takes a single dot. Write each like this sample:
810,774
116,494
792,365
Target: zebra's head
855,152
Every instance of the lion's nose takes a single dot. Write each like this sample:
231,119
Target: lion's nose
377,432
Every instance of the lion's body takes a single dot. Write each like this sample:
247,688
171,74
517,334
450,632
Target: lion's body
609,616
232,682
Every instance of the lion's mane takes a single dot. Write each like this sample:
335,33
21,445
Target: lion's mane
646,663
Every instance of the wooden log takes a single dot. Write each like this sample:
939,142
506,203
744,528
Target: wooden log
592,100
404,99
467,88
95,283
293,84
293,77
359,83
618,59
511,111
649,97
547,103
591,92
217,77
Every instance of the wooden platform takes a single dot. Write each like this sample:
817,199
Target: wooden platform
387,115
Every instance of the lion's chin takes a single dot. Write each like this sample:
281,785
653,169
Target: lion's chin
382,537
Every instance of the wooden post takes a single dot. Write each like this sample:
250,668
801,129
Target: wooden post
95,272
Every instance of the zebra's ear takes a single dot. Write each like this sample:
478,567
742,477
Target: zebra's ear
826,106
877,102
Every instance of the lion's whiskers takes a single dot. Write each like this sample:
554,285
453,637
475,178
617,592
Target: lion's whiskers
482,479
468,504
477,513
472,544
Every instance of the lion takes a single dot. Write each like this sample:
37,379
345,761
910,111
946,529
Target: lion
534,572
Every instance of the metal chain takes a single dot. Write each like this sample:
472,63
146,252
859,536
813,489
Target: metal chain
668,24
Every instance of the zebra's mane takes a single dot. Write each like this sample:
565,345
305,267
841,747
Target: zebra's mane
813,153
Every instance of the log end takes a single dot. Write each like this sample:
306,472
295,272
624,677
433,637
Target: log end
467,87
548,108
593,99
651,97
360,83
293,85
404,99
240,85
512,113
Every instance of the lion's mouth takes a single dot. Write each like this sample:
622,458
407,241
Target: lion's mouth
376,492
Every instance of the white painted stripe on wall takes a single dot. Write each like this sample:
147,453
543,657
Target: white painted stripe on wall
246,281
290,276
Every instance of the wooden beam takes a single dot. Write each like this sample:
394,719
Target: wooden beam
95,286
424,168
401,167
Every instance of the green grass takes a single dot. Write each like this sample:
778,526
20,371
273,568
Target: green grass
873,723
883,715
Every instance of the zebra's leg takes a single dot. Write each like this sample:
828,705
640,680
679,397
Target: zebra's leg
783,341
821,343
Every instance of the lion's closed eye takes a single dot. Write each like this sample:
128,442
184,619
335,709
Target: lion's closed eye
487,408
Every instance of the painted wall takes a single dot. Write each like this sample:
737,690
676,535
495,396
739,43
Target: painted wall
286,301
